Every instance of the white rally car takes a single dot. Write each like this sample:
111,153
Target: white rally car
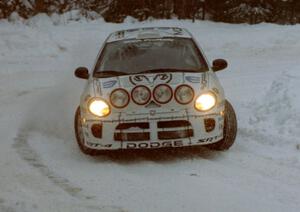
153,88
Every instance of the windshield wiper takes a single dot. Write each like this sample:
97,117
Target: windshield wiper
109,73
159,70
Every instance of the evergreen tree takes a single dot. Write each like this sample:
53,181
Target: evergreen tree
239,11
233,11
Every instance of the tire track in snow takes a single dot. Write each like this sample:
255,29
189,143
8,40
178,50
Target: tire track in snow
29,155
32,158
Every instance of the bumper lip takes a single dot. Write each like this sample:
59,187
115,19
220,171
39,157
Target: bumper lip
160,144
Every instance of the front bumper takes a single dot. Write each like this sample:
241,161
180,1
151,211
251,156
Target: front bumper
140,132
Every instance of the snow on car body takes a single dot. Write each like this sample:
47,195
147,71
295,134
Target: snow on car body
152,88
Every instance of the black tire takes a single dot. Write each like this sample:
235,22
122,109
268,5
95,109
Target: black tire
80,138
230,129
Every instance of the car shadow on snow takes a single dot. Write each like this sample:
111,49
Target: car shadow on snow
165,155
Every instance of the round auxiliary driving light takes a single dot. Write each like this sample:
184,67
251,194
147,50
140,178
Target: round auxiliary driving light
141,95
119,98
184,94
162,93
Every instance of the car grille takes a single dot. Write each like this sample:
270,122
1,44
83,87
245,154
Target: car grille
140,131
137,131
174,129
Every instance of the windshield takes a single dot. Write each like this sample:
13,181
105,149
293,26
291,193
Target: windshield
146,55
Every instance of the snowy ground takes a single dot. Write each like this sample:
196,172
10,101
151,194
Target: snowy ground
41,168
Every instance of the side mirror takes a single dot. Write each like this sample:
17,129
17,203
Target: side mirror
82,73
219,64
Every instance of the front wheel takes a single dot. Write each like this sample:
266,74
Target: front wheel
230,129
80,137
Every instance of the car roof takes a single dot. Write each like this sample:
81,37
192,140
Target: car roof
148,33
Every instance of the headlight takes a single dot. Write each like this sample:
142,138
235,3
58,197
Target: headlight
162,93
205,101
141,95
184,94
99,107
119,98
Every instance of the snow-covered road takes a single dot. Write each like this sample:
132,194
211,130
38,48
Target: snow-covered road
41,168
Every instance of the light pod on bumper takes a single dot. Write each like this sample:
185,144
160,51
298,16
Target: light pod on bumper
162,93
184,94
99,107
205,101
119,98
141,95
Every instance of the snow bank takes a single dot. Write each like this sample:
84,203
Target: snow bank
278,113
